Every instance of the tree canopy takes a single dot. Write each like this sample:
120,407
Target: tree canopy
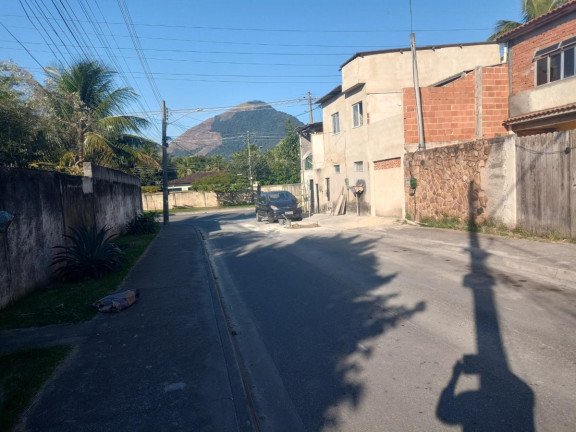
75,117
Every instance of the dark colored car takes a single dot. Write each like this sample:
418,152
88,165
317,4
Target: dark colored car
276,205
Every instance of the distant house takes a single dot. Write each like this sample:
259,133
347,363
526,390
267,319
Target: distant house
541,60
185,183
365,135
311,156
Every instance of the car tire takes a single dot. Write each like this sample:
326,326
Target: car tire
258,217
270,218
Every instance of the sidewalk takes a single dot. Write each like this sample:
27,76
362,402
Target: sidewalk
165,364
552,260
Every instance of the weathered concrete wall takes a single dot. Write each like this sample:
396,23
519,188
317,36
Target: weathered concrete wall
499,180
44,205
183,199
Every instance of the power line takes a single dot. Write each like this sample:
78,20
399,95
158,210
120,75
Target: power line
138,49
285,30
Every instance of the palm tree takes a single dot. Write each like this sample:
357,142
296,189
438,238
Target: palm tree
90,107
530,10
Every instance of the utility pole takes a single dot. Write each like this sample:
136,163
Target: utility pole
164,166
310,107
421,142
250,168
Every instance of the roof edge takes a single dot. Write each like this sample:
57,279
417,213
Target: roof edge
422,48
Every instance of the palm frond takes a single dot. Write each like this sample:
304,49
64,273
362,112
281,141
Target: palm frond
120,124
503,27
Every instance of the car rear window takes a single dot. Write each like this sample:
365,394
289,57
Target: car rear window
280,196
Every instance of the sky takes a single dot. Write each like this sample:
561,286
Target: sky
203,57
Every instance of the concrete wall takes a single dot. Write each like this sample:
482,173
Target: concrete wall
44,205
556,94
183,199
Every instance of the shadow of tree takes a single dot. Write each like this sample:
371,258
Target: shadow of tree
503,401
320,304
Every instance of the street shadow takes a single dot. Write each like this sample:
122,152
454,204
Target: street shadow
321,305
503,402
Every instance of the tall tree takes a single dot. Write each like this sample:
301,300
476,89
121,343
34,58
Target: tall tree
530,10
90,107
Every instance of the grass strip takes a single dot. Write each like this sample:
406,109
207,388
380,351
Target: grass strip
66,303
491,227
22,375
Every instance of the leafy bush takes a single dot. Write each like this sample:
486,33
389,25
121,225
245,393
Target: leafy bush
143,224
90,256
151,189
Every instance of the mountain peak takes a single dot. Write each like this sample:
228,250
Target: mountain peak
225,133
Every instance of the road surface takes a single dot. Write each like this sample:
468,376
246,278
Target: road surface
379,330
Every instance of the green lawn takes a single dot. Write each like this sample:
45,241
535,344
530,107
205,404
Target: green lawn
64,303
22,375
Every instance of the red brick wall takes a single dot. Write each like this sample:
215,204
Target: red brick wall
523,50
449,112
387,164
494,100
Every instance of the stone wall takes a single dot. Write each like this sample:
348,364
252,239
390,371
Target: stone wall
44,205
449,182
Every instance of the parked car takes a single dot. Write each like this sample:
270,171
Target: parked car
277,204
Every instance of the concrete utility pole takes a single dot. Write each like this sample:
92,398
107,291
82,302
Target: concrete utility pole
250,168
164,166
421,142
310,107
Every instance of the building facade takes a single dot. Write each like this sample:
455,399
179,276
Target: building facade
364,137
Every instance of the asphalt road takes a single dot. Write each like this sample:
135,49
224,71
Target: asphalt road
368,330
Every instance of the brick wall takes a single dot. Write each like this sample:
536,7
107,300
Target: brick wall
387,164
495,91
523,50
449,112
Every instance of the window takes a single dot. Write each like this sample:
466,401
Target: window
336,169
359,166
336,123
308,163
357,114
555,62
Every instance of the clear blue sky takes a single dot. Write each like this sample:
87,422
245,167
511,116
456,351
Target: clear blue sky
209,54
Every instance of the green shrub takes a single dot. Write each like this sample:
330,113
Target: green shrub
90,256
143,224
151,189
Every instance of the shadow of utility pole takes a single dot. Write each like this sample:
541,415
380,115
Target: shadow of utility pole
503,402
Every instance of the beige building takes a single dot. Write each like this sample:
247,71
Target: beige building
363,122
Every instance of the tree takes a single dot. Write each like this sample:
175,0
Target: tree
530,10
189,165
284,159
93,128
20,123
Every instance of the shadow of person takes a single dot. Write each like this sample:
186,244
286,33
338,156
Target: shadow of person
503,401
